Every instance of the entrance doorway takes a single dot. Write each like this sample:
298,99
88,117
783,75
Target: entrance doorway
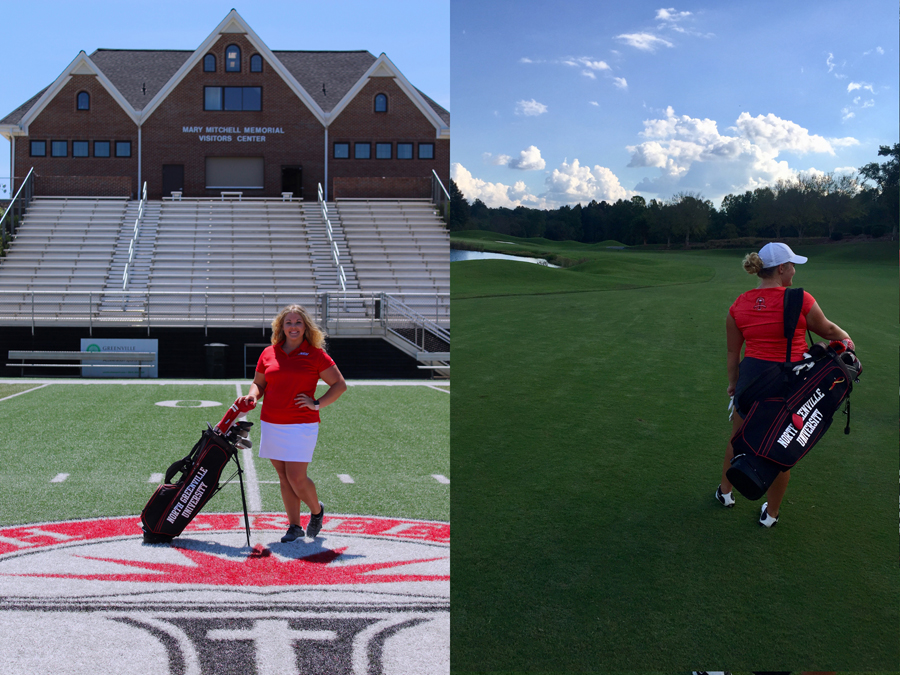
172,179
292,180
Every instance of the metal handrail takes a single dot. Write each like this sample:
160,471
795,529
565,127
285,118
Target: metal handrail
342,277
132,246
13,205
439,196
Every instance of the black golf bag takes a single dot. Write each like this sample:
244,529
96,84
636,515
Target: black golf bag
780,430
174,505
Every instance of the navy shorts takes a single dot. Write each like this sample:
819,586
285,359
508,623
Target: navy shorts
750,368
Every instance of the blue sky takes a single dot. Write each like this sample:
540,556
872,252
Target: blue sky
43,37
564,103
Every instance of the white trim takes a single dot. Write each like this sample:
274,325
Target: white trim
380,68
233,23
81,64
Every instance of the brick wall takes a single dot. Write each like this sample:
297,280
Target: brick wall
74,186
375,187
61,121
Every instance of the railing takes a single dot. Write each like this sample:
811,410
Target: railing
341,314
9,223
332,244
399,318
134,237
440,197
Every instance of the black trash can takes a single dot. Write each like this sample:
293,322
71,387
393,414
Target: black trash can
215,360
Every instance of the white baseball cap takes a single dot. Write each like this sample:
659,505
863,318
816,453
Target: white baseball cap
775,254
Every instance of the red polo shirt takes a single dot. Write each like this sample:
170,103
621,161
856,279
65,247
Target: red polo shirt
288,375
759,315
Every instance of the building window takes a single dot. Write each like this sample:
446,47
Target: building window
123,148
256,63
59,148
38,148
382,151
101,148
426,150
80,148
381,103
209,63
404,150
362,150
342,151
233,59
232,98
83,101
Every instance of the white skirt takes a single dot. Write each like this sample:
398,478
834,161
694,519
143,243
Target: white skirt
288,442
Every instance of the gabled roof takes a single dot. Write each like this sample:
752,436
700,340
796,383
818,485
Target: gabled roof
131,71
140,79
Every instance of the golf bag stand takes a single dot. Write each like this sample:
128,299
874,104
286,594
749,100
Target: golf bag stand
175,504
778,432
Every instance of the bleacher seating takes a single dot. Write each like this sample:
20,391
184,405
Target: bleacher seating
399,247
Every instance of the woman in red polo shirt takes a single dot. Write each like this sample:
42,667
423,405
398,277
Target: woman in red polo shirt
287,374
757,319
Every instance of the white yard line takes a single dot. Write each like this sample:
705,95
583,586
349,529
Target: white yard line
59,478
441,479
6,398
345,478
156,478
253,495
445,389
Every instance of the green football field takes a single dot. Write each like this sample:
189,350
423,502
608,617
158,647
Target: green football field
74,450
588,428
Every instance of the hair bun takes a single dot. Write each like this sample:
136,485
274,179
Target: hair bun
753,264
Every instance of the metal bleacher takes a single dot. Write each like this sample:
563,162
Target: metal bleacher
376,267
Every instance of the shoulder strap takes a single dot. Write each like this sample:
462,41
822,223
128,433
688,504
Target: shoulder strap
793,304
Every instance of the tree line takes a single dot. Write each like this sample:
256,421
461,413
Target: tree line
808,205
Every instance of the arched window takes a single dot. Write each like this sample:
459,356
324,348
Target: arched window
256,63
381,103
83,100
209,63
233,59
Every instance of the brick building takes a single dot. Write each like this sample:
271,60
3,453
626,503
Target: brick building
230,115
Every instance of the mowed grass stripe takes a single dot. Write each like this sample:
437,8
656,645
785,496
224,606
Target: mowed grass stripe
111,437
589,431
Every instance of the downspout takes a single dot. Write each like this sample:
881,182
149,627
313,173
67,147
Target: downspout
12,164
326,163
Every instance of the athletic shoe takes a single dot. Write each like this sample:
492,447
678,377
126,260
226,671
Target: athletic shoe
726,500
765,519
315,522
294,532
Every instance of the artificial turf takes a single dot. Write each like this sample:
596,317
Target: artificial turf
588,430
110,438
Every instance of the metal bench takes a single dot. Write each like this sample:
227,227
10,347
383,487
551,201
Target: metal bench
85,359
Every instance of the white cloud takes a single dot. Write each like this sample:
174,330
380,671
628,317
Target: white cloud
573,183
620,82
528,160
588,73
569,184
853,86
525,59
492,194
498,160
682,145
530,108
644,41
830,62
847,114
594,103
670,14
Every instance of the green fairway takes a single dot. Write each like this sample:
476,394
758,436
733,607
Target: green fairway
588,431
110,439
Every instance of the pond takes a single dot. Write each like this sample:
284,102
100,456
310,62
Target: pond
457,255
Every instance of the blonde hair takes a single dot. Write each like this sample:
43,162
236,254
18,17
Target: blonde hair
753,264
312,333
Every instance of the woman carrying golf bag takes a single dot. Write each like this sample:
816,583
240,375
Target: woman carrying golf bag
756,319
286,375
